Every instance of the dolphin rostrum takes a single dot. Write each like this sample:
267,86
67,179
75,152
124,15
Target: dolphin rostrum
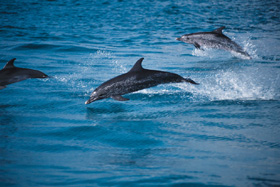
136,79
214,39
11,74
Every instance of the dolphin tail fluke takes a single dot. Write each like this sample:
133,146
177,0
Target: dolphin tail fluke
191,81
241,53
246,54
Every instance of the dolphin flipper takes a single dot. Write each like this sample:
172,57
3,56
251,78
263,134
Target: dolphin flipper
119,98
196,45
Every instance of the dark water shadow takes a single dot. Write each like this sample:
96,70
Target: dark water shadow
112,108
263,181
7,117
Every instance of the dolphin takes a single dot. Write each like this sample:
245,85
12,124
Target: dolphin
214,39
11,74
136,79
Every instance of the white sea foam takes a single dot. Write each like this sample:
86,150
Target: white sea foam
206,52
109,58
250,48
162,90
118,67
103,53
235,85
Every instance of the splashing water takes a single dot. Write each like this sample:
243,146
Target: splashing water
109,57
103,54
250,48
236,85
118,67
206,52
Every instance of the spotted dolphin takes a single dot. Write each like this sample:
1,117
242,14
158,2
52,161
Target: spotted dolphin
11,74
214,39
136,79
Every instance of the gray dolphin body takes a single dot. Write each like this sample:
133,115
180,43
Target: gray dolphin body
214,39
11,74
136,79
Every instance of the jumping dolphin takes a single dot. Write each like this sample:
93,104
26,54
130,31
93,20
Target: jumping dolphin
11,74
136,79
214,39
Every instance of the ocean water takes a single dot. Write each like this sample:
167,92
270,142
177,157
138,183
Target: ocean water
223,132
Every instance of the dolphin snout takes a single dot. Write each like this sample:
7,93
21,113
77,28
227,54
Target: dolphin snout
178,39
90,100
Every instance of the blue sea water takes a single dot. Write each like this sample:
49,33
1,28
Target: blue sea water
223,132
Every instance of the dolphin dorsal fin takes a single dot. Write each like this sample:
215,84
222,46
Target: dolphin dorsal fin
219,30
138,65
10,64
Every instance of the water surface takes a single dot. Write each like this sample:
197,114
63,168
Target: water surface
223,132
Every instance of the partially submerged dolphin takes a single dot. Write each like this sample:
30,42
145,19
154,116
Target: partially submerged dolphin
214,39
136,79
11,74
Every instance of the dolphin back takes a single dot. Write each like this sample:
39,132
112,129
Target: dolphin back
137,78
214,39
11,74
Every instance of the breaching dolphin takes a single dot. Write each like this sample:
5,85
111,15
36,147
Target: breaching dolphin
11,74
136,79
214,39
